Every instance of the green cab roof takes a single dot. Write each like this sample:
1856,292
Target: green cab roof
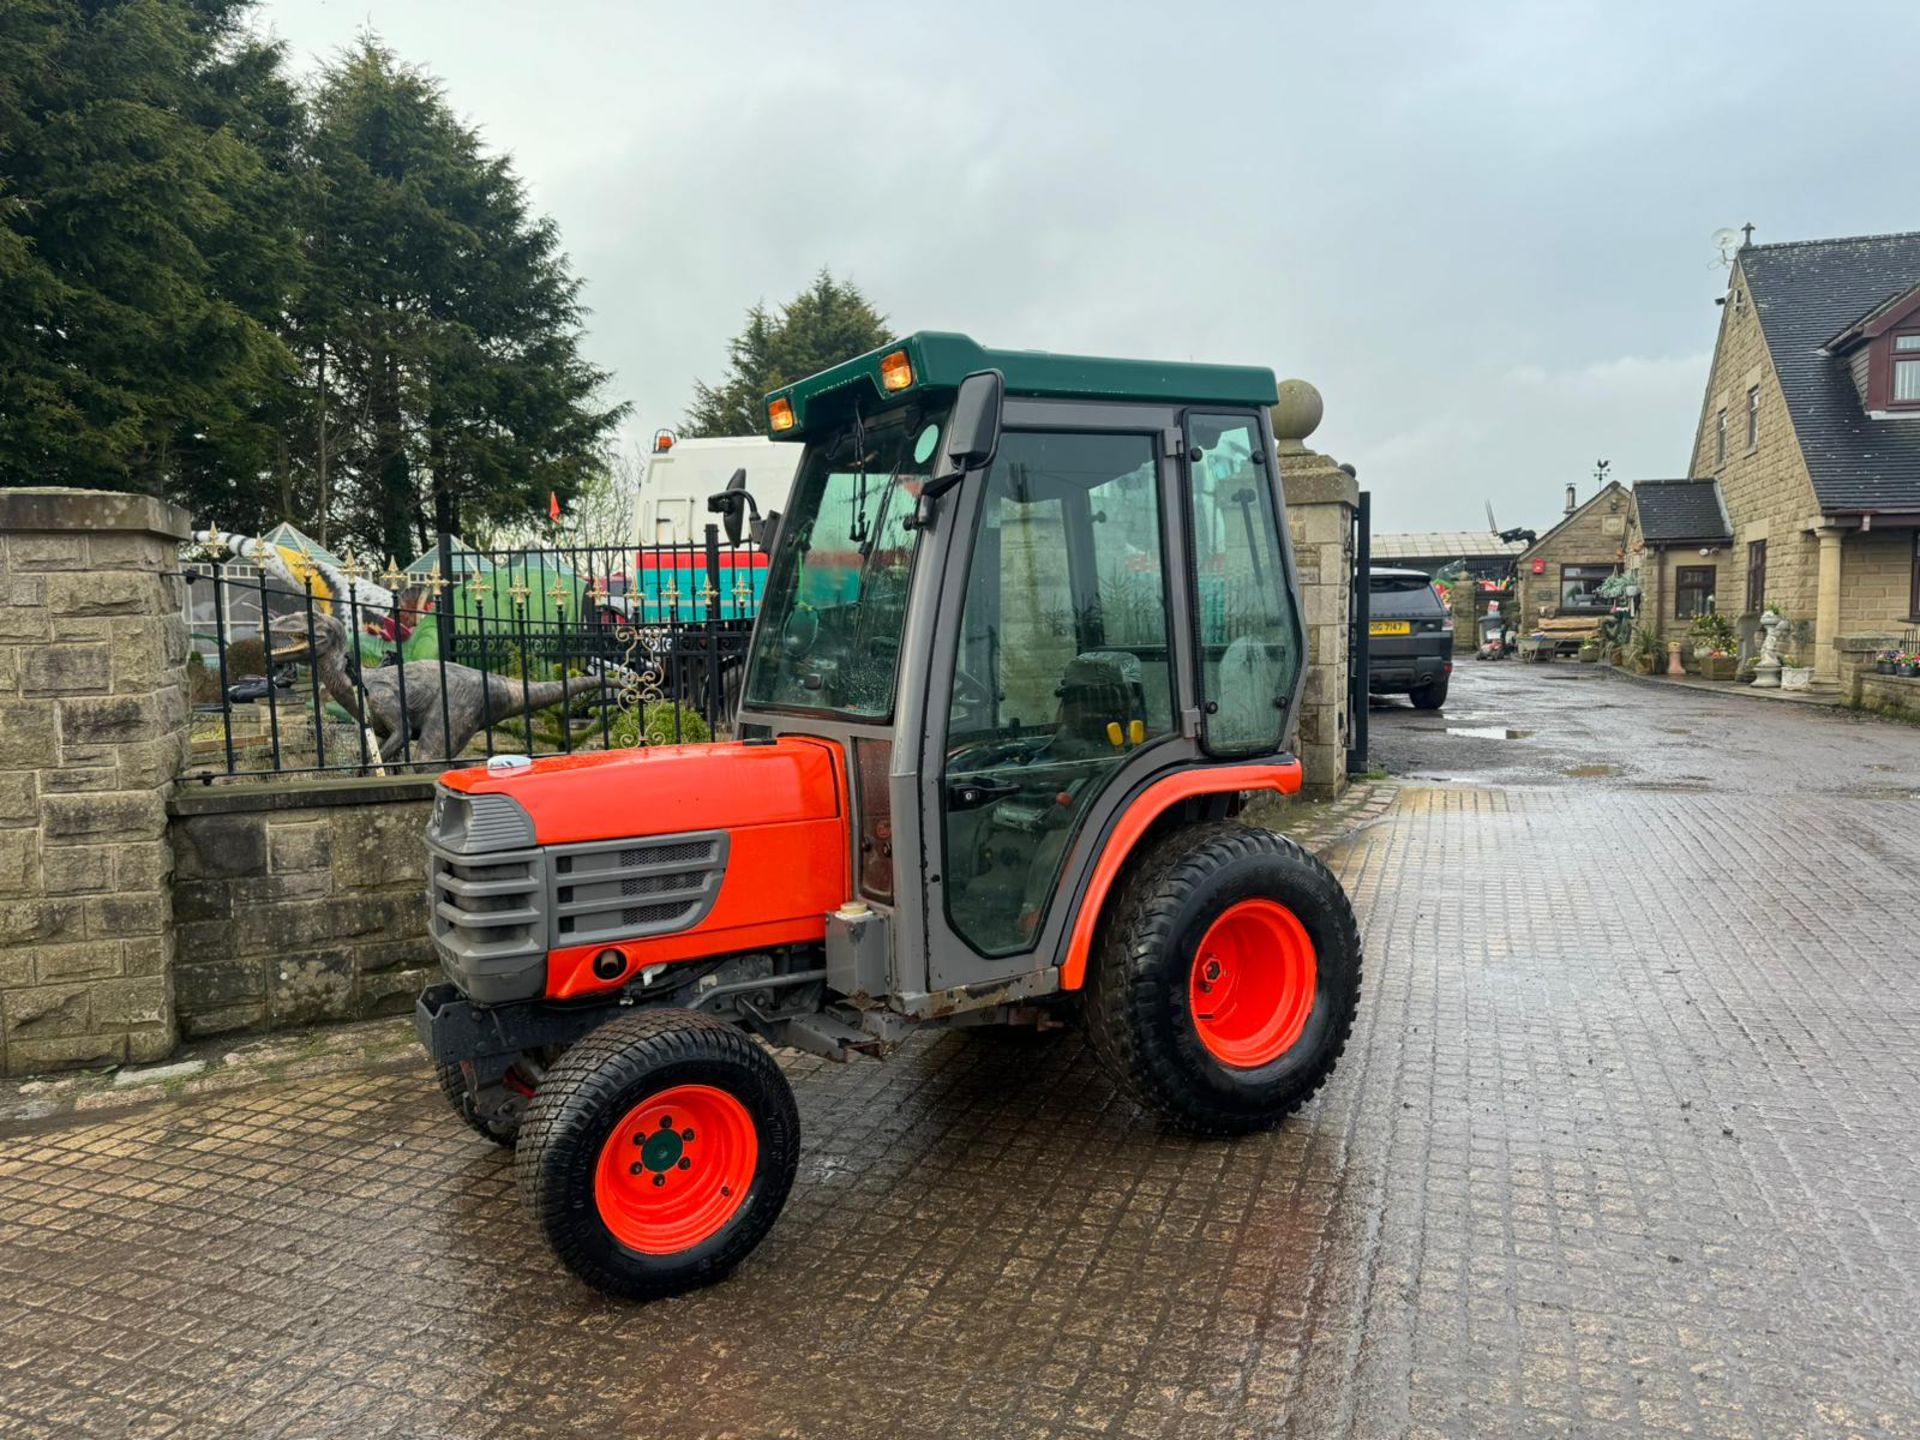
942,359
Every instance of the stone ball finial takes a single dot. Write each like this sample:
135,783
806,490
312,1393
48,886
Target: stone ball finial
1298,413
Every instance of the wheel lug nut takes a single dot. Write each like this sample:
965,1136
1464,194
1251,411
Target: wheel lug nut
659,1179
686,1164
726,1190
687,1134
636,1168
666,1122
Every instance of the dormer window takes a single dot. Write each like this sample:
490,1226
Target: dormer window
1906,370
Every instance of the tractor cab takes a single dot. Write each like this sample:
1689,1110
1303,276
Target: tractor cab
1015,587
1030,637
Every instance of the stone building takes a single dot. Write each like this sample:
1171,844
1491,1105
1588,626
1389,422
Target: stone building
1810,428
1682,542
1560,574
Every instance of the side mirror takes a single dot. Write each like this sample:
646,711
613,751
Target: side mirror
973,431
732,504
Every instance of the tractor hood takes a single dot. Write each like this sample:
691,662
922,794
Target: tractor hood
667,789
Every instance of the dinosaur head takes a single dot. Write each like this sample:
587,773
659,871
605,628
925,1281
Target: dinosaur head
296,643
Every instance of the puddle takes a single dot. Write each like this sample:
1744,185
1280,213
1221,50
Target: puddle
1489,732
1591,772
1675,730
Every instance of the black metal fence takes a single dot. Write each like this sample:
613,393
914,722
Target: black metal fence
305,662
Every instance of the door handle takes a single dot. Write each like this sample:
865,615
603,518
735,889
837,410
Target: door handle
971,794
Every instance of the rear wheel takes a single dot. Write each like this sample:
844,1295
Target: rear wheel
658,1152
1431,697
1226,979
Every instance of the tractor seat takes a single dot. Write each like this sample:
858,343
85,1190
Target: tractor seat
1100,687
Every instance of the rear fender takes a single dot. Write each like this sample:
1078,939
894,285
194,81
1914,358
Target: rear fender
1282,777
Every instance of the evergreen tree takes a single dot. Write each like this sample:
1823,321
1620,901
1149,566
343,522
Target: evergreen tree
826,323
440,337
145,250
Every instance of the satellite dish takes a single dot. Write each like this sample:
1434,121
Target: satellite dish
1727,241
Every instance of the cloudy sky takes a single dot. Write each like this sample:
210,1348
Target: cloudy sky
1483,230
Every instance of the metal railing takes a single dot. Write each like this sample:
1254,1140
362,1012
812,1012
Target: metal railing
303,663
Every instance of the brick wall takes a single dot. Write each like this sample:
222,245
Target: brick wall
93,725
1596,534
299,902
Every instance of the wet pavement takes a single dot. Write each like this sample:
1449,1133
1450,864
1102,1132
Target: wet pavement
1624,1144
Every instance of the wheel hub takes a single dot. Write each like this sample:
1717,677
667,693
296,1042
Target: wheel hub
1252,985
697,1149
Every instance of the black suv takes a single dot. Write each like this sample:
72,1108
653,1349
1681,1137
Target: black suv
1409,638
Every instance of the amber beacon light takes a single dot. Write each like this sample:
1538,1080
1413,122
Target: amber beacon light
896,371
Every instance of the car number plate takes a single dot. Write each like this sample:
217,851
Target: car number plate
1390,627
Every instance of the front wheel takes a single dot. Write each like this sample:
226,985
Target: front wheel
1226,979
658,1152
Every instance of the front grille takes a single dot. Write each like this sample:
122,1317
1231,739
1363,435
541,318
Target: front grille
671,854
677,880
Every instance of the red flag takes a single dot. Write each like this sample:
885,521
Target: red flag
553,507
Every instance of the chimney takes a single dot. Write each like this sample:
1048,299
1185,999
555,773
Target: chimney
1571,506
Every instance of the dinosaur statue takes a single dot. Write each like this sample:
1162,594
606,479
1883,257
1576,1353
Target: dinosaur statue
433,730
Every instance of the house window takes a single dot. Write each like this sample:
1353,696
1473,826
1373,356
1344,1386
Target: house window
1906,370
1753,417
1720,438
1580,586
1692,591
1756,576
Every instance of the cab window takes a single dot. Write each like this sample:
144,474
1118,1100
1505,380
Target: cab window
1250,636
1062,670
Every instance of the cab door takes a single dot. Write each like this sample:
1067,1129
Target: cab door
1064,679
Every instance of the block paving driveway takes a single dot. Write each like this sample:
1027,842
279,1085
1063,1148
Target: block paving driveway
1627,1142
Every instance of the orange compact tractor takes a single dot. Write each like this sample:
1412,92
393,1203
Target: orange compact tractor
1031,638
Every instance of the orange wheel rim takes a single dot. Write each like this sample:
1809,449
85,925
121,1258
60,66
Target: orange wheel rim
1252,984
676,1169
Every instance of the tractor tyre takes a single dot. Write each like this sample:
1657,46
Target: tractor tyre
1430,697
1225,979
453,1085
658,1151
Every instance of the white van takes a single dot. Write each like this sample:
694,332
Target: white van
681,474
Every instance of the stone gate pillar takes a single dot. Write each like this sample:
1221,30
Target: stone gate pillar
1321,500
93,730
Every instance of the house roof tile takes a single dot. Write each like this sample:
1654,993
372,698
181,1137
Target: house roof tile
1805,294
1672,511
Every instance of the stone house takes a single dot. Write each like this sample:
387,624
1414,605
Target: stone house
1560,574
1810,429
1682,546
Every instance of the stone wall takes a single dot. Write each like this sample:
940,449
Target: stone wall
1768,493
93,726
1858,655
299,901
1876,581
1595,534
1321,500
1891,696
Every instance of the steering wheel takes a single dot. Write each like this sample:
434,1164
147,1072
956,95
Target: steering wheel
797,636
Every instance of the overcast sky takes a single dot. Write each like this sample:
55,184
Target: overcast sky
1483,230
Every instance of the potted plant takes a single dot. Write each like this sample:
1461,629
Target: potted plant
1719,665
1907,664
1885,662
1589,651
1794,675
